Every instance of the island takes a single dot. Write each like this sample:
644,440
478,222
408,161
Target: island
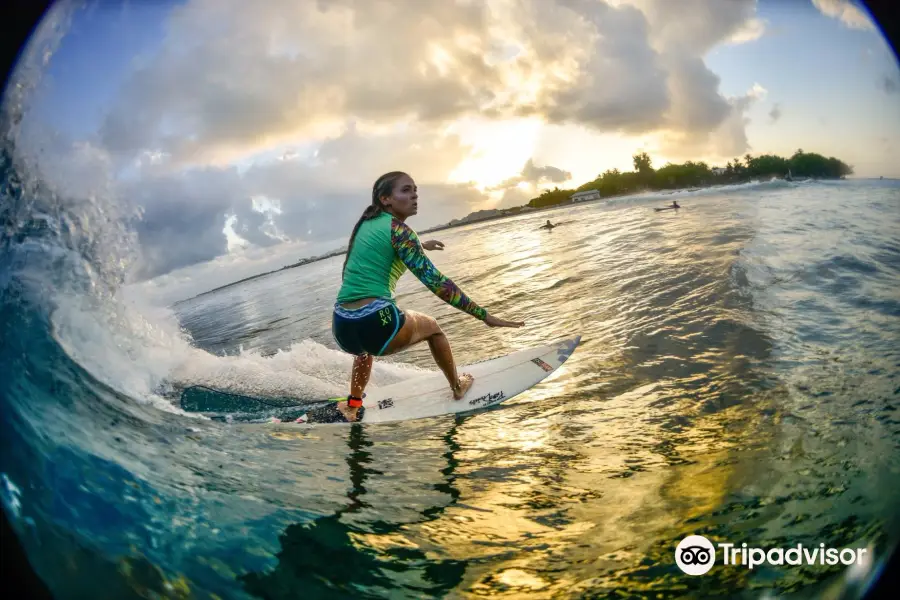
689,175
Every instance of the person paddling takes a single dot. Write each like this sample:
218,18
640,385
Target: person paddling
366,321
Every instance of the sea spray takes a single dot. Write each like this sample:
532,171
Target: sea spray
71,248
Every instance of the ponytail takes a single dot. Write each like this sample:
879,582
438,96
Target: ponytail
383,186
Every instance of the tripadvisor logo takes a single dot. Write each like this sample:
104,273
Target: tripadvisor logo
695,555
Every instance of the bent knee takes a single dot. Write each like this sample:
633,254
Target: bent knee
432,328
425,326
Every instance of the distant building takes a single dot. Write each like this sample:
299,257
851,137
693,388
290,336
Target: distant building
718,171
585,196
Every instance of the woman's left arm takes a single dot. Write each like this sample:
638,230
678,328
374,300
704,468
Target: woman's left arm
409,249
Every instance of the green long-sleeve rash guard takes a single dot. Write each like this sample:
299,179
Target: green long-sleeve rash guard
383,249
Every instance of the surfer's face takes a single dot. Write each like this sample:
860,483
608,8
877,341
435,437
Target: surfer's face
404,199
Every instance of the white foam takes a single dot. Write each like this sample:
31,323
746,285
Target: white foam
129,348
141,352
308,370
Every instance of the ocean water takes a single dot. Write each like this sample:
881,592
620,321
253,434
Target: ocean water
738,378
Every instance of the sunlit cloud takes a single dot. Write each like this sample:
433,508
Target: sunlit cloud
847,11
254,126
751,30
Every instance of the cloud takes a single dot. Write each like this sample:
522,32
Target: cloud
697,26
514,193
315,99
232,77
750,31
289,200
183,217
534,176
611,80
729,138
847,11
680,97
775,113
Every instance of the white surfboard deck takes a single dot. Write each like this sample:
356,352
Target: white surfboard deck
496,380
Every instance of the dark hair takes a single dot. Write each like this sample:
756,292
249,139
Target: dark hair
383,186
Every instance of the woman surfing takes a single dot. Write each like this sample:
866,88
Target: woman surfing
366,321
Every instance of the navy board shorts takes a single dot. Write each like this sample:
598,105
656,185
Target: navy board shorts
368,329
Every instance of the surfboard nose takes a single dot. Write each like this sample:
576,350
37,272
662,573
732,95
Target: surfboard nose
565,348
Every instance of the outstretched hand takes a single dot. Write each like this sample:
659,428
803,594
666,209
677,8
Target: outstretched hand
433,245
492,321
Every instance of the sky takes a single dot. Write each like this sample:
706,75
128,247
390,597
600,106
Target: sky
249,134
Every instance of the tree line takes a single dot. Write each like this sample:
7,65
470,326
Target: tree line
644,177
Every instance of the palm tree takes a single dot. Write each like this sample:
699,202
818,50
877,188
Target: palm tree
642,163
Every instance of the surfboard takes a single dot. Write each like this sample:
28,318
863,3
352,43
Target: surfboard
667,208
496,380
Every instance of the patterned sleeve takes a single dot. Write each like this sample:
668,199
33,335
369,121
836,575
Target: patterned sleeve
408,247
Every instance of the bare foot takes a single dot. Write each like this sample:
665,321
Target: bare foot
465,382
349,412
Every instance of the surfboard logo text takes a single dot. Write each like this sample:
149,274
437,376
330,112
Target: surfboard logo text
386,403
487,399
542,364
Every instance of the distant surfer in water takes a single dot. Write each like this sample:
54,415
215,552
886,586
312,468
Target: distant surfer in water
672,206
366,321
548,225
